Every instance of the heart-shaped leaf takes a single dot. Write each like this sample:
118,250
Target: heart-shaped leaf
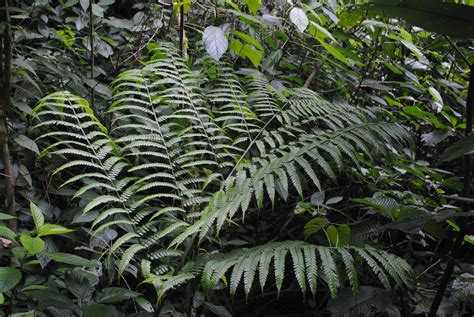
215,42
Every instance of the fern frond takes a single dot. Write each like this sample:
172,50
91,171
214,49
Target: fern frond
128,255
309,262
188,152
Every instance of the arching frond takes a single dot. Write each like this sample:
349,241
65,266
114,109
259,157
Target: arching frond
190,151
310,262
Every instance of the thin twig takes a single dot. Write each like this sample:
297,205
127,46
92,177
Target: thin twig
378,44
458,50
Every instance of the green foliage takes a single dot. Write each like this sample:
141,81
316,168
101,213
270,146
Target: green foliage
451,19
253,5
287,147
67,289
309,261
166,149
463,147
9,278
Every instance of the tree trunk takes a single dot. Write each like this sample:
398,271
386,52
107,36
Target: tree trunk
4,108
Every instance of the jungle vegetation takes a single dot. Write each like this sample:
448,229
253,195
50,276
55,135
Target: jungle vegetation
236,158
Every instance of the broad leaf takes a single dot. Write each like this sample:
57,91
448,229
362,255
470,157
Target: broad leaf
272,59
334,52
317,198
9,277
69,259
98,10
27,143
116,294
313,226
78,283
455,20
246,51
320,32
119,23
435,94
51,229
334,200
416,51
344,233
253,5
5,216
215,42
33,245
255,56
332,235
37,215
249,39
7,233
338,237
100,310
144,304
299,18
52,297
85,4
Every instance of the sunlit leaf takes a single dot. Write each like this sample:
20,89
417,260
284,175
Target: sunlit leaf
37,215
215,42
299,18
334,52
33,245
253,5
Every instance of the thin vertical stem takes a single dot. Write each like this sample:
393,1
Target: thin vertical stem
91,60
181,31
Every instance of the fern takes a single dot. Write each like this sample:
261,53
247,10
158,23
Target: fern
309,263
189,152
127,256
89,140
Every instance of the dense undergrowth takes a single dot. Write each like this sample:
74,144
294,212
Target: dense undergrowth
235,159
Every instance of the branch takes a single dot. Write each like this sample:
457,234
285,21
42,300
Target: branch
311,76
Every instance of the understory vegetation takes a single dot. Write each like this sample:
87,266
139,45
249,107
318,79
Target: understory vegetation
236,158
